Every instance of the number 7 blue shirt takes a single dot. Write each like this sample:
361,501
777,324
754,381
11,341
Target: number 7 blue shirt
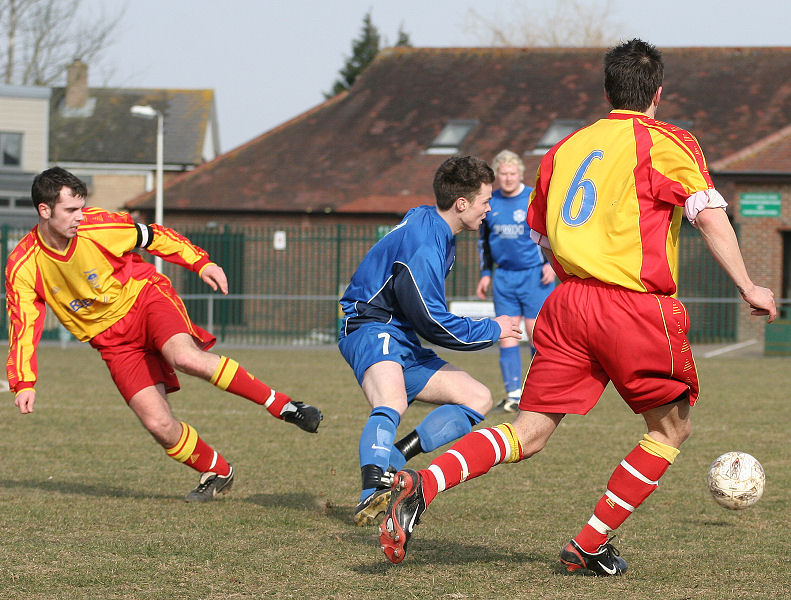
401,281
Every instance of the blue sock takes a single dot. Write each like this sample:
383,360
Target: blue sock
445,424
376,440
511,368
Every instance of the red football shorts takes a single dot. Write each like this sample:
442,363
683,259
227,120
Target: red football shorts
589,333
131,347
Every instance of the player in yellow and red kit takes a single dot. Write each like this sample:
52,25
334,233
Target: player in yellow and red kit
607,207
82,263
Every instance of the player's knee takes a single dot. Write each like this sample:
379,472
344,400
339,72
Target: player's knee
674,433
163,427
187,362
532,446
479,398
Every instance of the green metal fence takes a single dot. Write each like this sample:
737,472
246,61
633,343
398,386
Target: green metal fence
285,282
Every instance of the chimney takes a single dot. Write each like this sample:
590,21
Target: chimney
76,84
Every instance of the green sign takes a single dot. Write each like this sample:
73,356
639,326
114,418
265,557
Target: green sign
383,230
755,204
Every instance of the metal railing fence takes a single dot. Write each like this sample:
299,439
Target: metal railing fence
285,282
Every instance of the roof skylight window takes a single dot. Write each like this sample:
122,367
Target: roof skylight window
450,138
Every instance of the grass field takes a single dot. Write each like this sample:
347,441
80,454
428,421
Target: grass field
92,508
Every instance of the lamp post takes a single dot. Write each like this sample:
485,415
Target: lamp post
149,112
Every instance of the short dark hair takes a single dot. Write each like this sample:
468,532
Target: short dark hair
47,185
460,176
633,72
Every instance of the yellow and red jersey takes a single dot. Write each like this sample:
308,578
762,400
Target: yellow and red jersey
89,286
610,198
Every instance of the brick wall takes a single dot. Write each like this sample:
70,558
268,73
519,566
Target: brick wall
761,240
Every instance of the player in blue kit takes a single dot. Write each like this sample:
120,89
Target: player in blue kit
523,278
398,292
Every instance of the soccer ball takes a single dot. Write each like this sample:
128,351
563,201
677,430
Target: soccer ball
736,480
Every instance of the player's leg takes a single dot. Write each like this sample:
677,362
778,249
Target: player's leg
530,324
181,351
464,403
543,405
655,374
383,386
167,327
505,296
182,443
635,478
473,455
511,370
378,354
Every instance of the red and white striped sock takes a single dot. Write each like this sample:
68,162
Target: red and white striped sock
630,484
473,455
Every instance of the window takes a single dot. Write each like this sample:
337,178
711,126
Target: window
450,138
559,129
10,149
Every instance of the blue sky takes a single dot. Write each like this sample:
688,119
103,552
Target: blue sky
270,60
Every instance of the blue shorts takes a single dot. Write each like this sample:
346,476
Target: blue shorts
376,342
519,293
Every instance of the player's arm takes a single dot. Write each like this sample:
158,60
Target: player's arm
420,291
172,247
485,261
716,230
26,311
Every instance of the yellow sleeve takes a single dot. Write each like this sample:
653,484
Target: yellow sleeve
26,311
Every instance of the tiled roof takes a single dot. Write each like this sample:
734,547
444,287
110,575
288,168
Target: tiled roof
364,151
771,155
105,132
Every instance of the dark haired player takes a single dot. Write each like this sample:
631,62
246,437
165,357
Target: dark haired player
398,293
82,263
607,206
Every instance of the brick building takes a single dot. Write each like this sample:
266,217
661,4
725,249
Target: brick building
368,155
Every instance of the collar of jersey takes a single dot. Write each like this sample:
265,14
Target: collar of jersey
57,254
626,114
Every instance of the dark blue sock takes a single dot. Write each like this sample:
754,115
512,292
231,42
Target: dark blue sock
376,440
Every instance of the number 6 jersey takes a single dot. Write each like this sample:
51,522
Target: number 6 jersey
610,201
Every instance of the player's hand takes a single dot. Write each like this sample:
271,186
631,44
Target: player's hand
24,400
483,287
509,327
761,300
215,278
547,274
